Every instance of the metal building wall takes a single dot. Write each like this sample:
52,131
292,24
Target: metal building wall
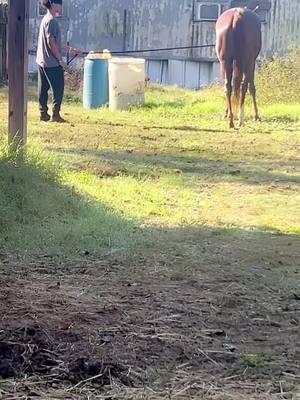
138,24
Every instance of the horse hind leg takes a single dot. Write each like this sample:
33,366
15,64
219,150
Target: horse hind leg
237,80
228,85
223,76
252,90
243,91
226,113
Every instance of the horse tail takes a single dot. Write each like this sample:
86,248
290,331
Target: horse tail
238,36
237,17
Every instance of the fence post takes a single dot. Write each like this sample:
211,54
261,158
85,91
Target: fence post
18,29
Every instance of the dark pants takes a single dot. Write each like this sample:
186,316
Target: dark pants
50,78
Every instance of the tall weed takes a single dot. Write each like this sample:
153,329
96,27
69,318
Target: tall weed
278,80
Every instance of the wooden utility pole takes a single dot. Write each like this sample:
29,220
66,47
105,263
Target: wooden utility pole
3,41
18,28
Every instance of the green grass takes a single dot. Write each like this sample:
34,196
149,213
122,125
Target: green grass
259,360
39,215
170,164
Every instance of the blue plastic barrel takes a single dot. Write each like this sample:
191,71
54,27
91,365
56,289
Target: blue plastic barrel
95,82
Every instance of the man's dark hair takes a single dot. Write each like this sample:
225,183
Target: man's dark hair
48,3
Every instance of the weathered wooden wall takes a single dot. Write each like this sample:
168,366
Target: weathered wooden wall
98,24
149,24
282,28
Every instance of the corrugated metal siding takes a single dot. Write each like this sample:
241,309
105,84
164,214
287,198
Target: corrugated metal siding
158,71
192,78
215,73
189,74
176,72
205,74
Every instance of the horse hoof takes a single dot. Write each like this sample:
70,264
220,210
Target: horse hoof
231,125
257,118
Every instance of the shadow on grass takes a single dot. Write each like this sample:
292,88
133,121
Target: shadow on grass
281,119
139,164
40,216
252,248
175,104
185,128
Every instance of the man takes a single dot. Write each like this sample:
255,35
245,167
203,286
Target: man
51,66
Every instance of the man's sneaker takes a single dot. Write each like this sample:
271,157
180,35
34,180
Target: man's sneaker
57,118
45,117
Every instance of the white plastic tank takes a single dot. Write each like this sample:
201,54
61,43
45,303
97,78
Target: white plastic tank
126,83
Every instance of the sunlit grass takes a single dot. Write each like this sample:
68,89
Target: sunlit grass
172,163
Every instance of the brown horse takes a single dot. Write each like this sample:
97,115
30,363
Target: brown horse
238,46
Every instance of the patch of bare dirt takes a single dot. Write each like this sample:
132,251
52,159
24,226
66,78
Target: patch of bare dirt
153,327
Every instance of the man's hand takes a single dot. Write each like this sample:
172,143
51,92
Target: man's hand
64,66
75,51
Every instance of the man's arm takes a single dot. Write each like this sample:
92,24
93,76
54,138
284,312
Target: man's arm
72,50
56,52
54,48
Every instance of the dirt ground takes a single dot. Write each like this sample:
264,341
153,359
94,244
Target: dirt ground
219,320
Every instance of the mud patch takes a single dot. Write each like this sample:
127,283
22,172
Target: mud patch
32,350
